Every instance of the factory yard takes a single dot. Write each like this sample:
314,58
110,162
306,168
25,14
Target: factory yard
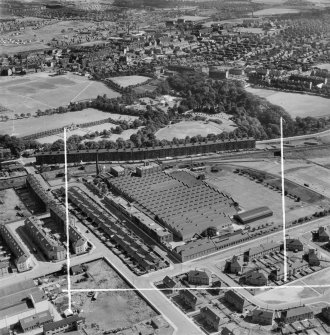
191,128
125,81
295,104
40,91
130,309
250,194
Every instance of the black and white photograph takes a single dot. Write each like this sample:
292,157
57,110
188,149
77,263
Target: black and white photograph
164,167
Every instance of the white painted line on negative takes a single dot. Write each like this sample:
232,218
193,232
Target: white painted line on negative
267,288
67,222
283,205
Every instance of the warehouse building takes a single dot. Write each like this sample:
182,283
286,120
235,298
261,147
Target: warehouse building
35,321
20,300
187,210
51,248
253,215
71,323
22,257
117,170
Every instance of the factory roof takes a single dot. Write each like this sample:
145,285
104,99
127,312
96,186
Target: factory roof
254,214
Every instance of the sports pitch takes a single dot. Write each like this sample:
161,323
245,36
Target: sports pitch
295,104
125,81
191,128
40,91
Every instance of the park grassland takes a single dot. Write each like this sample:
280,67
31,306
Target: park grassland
40,91
295,104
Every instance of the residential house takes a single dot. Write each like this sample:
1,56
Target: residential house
297,314
190,298
313,259
293,244
326,314
261,250
236,300
256,277
322,235
236,265
197,277
171,283
292,269
262,317
211,316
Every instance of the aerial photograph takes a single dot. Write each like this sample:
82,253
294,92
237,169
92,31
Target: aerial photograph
164,167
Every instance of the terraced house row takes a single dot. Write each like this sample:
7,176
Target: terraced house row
127,240
22,258
39,187
51,248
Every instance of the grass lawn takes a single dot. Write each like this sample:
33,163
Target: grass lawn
23,127
295,104
191,128
40,91
125,81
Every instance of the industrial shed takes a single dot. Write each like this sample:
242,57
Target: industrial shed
253,215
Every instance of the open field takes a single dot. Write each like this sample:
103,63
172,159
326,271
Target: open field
41,36
275,11
40,91
317,177
325,66
125,81
125,135
191,128
130,307
23,127
295,104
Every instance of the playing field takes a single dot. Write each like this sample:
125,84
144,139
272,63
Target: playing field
125,81
24,127
275,11
40,91
191,128
295,104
